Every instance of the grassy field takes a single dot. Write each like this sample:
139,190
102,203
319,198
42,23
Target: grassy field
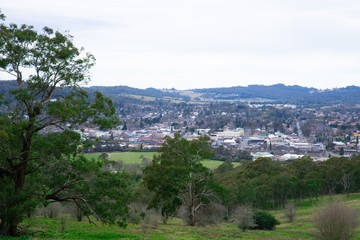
125,157
135,157
301,228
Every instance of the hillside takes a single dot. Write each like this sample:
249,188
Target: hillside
278,93
283,93
301,228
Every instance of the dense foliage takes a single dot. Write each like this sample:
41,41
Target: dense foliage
177,177
40,160
265,221
267,184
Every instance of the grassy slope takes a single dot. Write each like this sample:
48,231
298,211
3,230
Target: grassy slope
134,157
301,228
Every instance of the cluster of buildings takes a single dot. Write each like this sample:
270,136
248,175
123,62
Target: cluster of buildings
282,132
259,143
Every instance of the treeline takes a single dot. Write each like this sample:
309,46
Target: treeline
267,184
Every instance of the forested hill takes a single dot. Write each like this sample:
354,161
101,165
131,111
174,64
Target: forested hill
278,93
117,93
283,93
274,92
148,92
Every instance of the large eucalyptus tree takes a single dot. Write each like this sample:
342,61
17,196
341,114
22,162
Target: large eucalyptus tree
38,165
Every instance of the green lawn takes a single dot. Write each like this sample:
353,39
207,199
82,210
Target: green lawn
126,157
135,157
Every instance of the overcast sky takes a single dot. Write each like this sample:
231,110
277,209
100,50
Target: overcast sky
189,44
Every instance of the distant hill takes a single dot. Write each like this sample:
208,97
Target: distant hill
279,93
148,92
283,93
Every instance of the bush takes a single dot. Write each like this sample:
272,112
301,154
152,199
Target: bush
265,221
137,212
210,214
244,217
335,221
290,212
151,220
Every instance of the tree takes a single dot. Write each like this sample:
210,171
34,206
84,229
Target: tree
341,151
38,165
244,217
104,157
124,127
265,221
177,177
335,221
290,212
336,174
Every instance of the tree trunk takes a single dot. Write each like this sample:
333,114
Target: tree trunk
13,229
191,206
11,225
9,228
2,227
192,216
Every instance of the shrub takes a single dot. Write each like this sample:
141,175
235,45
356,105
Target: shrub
210,214
137,212
265,221
150,221
290,212
244,217
335,222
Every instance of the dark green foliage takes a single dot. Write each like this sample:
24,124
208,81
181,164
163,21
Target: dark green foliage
224,167
341,151
177,177
266,184
38,165
108,197
265,221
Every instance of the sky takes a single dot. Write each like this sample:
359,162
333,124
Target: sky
187,44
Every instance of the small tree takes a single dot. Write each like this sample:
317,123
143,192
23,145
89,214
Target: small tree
244,217
336,221
104,157
290,212
341,151
177,177
265,221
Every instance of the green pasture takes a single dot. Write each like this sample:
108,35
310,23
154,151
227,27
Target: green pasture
135,157
125,157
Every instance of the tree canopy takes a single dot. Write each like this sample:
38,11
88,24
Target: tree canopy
40,154
177,177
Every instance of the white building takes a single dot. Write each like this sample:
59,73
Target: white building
262,154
